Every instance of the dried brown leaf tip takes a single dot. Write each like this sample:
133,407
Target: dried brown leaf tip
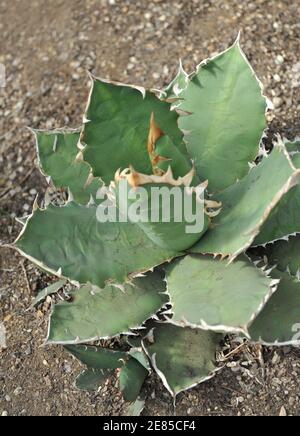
155,133
136,179
133,177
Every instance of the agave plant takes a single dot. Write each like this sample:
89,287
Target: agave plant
170,297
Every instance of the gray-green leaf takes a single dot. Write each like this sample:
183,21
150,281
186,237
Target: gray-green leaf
101,313
182,357
227,118
131,379
117,128
70,242
135,408
285,255
248,204
279,322
213,295
285,217
57,153
51,289
92,379
98,358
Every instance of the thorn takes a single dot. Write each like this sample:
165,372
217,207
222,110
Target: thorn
31,129
89,180
35,204
55,143
91,75
91,201
79,157
70,196
238,38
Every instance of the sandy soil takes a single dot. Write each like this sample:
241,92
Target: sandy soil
47,47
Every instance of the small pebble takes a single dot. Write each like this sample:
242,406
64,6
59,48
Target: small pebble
277,78
279,60
17,391
282,412
277,101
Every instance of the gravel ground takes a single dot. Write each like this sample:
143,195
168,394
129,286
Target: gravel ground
47,47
